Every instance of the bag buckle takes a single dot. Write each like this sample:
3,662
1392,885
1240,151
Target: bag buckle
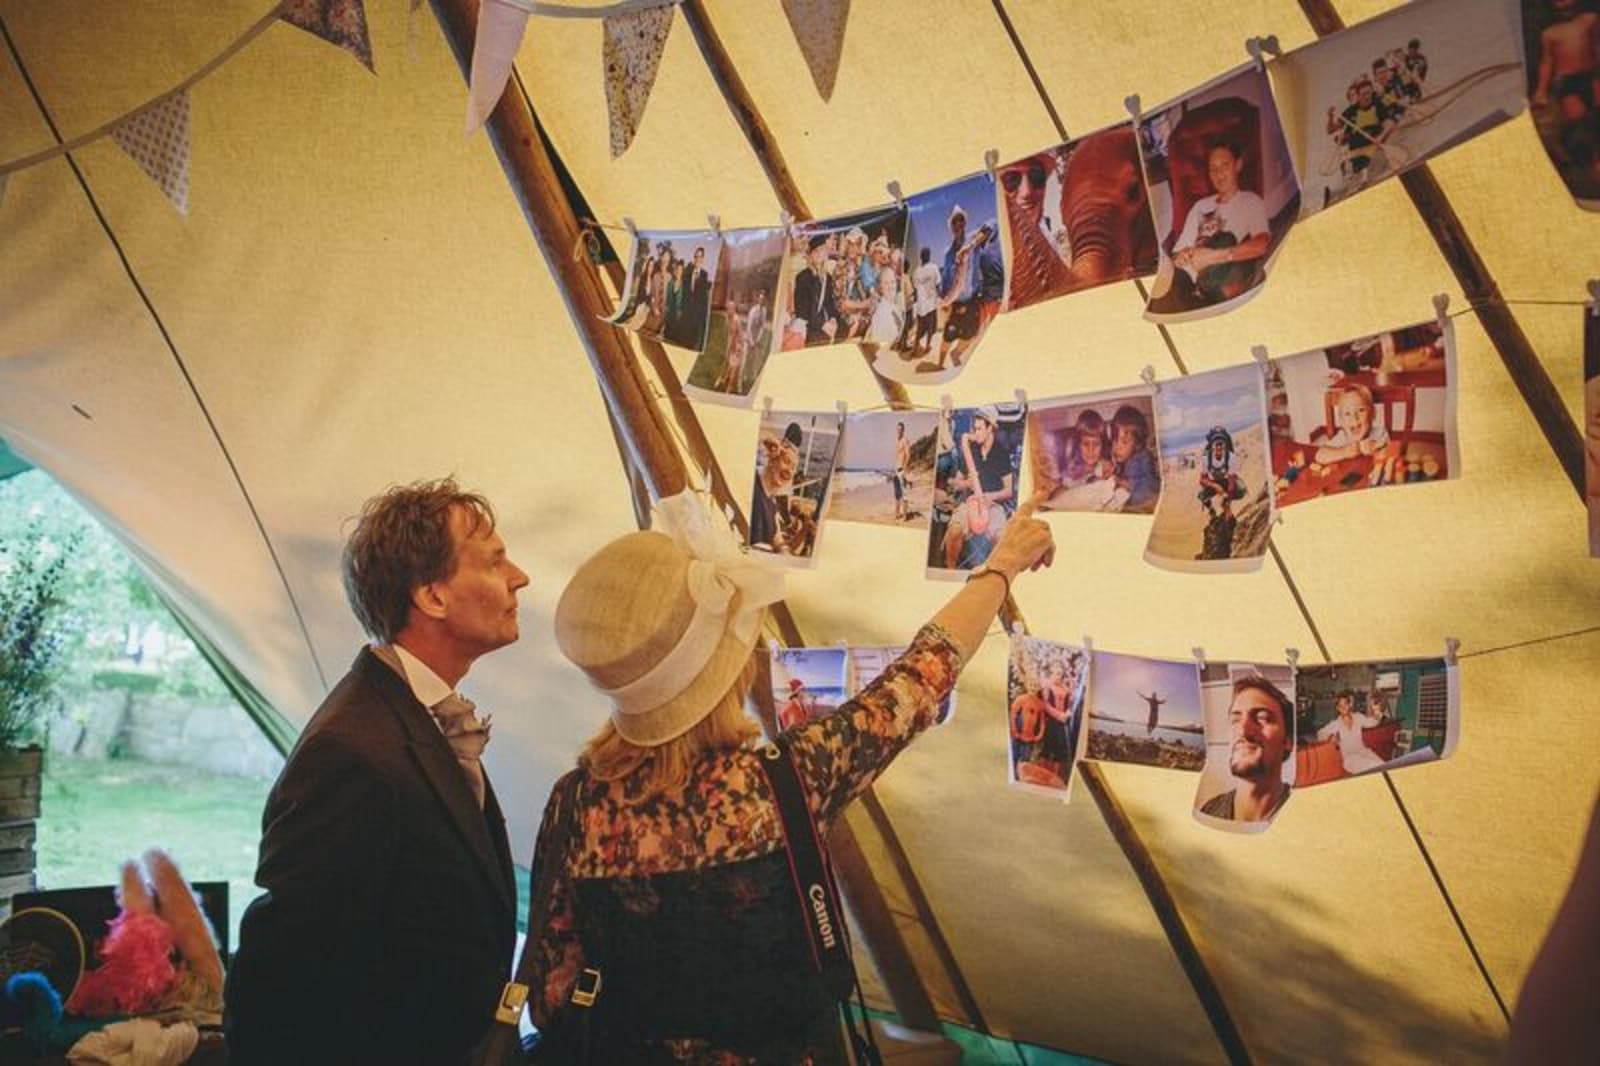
587,990
513,997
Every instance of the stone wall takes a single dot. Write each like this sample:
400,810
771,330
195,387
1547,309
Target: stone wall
158,727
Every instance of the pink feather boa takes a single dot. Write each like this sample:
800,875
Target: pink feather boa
135,972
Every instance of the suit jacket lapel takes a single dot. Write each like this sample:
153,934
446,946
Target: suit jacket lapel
437,762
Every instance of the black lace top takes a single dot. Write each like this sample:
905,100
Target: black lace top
685,902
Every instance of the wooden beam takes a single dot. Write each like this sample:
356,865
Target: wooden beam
512,131
1483,293
1166,908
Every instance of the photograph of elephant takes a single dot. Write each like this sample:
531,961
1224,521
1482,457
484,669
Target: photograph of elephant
1044,700
834,278
1394,90
1249,720
1354,718
667,295
743,298
1076,217
1216,507
932,304
1095,452
1223,192
1561,53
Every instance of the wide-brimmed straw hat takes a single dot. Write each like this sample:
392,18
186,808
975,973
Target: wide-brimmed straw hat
663,622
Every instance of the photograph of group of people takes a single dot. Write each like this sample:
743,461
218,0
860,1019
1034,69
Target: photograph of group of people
739,337
1250,740
1215,509
976,485
885,474
1354,718
1096,453
842,280
1561,42
795,453
1388,93
1374,411
1045,686
807,683
667,295
1077,216
1223,192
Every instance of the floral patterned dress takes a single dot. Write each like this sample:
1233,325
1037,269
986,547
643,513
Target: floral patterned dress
684,900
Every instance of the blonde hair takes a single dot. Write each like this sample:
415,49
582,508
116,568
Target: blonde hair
666,767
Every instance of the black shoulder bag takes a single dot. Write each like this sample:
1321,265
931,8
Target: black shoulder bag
566,1039
818,896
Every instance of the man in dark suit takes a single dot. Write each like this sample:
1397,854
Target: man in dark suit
699,282
813,295
386,930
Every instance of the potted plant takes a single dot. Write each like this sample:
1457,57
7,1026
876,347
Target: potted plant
31,572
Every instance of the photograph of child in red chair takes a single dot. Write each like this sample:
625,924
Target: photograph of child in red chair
1044,697
1354,718
1369,412
1223,191
1250,721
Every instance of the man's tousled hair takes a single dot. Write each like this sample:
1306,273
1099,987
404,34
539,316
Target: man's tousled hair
401,541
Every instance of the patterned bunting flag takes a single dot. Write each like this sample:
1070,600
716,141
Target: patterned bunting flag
158,140
500,28
818,27
633,45
339,22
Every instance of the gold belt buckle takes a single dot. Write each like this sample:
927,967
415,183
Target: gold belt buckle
585,996
513,997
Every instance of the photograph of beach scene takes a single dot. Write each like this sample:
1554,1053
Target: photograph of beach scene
807,683
885,469
1215,510
1146,711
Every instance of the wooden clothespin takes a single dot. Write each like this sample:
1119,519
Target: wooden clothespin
1441,304
715,221
1148,376
991,160
895,193
1452,648
1292,655
1199,656
1131,102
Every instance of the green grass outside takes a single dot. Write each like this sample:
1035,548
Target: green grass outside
96,813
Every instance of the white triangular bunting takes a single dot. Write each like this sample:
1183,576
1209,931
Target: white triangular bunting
158,140
818,27
340,22
500,28
633,45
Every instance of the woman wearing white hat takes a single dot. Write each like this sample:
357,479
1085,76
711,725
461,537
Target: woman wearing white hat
674,881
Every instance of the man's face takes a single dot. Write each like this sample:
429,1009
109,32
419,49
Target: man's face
1260,735
958,228
1123,443
1354,417
1219,452
880,251
815,257
480,597
1364,93
699,258
1223,169
981,430
1344,705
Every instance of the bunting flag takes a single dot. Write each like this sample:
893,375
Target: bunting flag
818,27
339,22
500,29
632,54
158,140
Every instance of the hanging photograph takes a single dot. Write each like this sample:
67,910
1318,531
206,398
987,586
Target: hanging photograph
739,337
1591,418
1145,711
1353,718
1044,696
1249,728
885,468
832,276
867,664
1561,52
931,306
1076,216
807,683
1373,411
1223,192
1095,452
1215,510
974,485
795,452
667,294
1386,94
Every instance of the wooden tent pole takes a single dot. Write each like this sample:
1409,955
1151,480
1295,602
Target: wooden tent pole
638,420
1481,290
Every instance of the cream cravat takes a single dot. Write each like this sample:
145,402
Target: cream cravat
467,735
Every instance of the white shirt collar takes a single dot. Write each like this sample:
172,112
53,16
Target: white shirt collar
427,686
